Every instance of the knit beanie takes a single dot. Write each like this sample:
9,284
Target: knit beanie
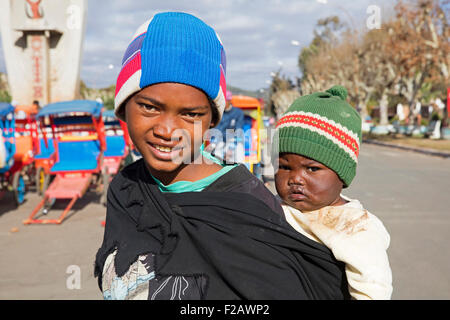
322,126
173,47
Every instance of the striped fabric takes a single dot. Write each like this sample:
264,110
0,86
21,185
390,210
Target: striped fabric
173,47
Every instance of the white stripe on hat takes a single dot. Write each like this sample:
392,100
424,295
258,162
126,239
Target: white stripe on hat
323,133
129,87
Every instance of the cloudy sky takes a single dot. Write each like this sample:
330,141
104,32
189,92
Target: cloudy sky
259,36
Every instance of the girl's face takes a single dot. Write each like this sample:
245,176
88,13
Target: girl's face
307,185
161,119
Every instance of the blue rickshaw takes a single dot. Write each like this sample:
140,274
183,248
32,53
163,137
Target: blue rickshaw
77,132
11,177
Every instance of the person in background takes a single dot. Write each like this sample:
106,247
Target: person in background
319,140
36,105
231,147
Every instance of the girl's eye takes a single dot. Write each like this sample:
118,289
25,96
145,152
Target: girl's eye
193,114
284,167
313,169
148,107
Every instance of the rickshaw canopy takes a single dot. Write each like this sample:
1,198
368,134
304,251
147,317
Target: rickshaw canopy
85,106
5,109
245,102
109,114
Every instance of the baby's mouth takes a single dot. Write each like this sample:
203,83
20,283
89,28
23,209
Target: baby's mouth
297,194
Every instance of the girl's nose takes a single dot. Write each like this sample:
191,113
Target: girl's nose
164,128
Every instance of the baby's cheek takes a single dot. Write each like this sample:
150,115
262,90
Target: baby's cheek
281,184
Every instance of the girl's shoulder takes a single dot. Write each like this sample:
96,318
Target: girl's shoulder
241,180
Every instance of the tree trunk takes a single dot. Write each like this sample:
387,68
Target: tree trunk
384,110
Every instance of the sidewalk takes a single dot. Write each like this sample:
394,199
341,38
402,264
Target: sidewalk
404,145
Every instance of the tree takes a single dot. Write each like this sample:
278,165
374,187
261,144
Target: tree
418,42
282,93
407,57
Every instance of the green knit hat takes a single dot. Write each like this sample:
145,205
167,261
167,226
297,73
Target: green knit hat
324,127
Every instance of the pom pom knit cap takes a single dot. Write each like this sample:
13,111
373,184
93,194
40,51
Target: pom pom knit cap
322,126
173,47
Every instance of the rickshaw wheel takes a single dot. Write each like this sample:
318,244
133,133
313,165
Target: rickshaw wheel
105,182
42,181
18,188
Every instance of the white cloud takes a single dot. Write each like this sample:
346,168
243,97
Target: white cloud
256,34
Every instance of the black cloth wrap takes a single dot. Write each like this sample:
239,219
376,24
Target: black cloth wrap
237,242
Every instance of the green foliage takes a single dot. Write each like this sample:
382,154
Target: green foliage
326,32
4,96
108,102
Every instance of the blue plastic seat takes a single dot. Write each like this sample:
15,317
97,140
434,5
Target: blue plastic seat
115,146
77,156
45,152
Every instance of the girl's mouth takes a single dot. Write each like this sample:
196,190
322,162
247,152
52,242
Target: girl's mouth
163,149
165,153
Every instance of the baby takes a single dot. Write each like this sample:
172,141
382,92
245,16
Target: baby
319,141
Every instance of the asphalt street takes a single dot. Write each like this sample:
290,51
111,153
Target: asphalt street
408,191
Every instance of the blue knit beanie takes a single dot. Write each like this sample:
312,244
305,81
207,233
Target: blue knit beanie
173,47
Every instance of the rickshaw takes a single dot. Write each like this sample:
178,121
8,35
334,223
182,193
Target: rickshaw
252,133
117,142
43,161
19,135
28,139
78,137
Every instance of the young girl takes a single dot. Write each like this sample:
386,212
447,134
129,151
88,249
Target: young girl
319,138
180,224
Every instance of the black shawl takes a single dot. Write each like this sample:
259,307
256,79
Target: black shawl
232,243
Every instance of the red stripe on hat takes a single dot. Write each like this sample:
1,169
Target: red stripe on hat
127,71
223,84
323,126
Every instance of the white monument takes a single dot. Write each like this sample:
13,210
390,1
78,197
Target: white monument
42,42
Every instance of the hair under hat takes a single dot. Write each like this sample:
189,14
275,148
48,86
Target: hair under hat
173,47
324,127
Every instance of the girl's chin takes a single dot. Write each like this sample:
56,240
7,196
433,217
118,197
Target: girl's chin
160,166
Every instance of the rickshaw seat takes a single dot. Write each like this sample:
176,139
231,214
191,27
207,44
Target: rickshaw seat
24,144
115,146
77,156
45,152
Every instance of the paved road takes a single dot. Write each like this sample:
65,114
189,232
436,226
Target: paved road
408,191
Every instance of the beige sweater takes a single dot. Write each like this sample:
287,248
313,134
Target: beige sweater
357,238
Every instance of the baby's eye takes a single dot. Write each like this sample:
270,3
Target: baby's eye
284,167
313,169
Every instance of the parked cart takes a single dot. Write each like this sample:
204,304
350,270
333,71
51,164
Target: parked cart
19,136
117,142
77,133
252,125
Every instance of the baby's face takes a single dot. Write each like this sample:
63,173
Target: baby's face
305,184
